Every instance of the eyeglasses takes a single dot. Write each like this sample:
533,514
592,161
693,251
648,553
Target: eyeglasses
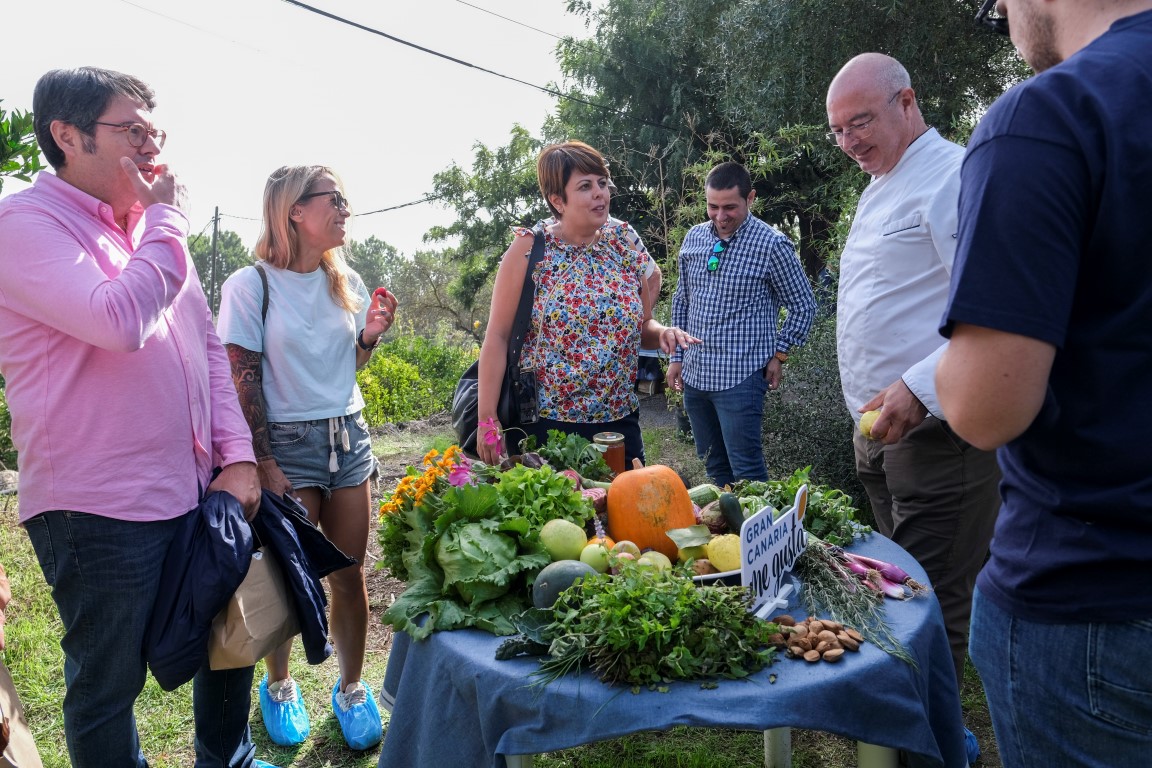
339,202
138,134
714,259
986,19
860,130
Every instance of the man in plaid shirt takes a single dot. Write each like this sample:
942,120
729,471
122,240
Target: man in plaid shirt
736,274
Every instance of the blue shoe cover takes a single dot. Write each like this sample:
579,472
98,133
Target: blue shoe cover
360,722
261,764
971,747
287,724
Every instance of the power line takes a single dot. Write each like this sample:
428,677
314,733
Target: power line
461,62
425,199
453,59
586,46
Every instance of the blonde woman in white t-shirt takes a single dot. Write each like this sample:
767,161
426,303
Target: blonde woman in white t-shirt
295,373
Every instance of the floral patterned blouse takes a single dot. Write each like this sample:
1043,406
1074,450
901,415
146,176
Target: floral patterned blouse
584,338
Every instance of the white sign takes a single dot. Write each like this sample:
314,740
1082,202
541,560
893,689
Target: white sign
768,550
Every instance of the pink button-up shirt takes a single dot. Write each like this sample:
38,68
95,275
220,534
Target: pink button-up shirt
120,391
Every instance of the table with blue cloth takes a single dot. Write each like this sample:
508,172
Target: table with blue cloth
454,704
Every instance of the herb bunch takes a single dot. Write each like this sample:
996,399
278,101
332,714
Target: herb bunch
829,516
645,627
570,451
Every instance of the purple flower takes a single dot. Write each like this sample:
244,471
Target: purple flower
461,472
491,433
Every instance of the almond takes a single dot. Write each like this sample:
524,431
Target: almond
832,655
813,656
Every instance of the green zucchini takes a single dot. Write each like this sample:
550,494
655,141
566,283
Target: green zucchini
703,494
732,511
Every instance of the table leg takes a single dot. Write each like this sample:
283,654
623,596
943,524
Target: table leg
518,761
872,756
778,748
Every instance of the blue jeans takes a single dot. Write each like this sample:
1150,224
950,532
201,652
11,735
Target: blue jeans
1065,694
727,426
104,574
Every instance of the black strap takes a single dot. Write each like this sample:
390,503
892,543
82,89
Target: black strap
264,299
524,309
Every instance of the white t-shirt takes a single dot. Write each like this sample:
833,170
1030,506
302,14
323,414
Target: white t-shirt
308,341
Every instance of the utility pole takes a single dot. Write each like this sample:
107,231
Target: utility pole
212,286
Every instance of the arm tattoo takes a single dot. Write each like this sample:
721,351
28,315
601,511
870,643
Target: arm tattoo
247,376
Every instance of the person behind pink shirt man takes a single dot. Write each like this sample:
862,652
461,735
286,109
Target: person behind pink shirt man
122,403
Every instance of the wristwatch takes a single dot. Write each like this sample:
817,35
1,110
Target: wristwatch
366,347
781,356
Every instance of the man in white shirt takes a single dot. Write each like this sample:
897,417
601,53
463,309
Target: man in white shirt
931,492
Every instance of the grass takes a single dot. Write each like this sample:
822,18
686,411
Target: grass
165,719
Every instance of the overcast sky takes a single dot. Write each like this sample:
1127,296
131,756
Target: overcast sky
245,86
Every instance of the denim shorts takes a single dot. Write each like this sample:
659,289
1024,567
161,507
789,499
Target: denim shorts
324,453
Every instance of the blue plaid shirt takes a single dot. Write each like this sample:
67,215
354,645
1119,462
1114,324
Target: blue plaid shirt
735,308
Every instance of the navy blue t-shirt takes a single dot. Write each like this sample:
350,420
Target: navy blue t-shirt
1055,243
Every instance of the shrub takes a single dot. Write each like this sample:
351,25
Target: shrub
440,365
807,423
410,378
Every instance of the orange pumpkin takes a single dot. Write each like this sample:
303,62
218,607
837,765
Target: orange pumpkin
645,503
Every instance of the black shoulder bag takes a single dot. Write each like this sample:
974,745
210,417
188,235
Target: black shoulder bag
517,404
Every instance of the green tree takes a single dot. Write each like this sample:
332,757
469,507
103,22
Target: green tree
19,153
230,256
687,80
500,191
378,263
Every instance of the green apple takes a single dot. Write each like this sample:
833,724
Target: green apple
657,560
595,555
684,554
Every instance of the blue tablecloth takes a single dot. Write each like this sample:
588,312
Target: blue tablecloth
455,705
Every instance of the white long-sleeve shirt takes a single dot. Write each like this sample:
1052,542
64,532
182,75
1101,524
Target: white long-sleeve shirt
895,272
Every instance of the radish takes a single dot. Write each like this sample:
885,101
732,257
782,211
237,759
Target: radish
891,572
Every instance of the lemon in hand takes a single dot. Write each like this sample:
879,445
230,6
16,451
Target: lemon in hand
866,422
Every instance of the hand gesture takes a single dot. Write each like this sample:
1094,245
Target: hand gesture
155,184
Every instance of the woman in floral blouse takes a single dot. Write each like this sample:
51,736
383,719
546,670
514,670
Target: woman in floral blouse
591,312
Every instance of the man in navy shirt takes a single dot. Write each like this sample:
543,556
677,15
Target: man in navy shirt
1050,362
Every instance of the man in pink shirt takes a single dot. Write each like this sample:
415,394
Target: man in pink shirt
122,403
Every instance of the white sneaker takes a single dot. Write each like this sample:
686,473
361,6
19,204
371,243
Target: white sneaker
282,691
354,696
